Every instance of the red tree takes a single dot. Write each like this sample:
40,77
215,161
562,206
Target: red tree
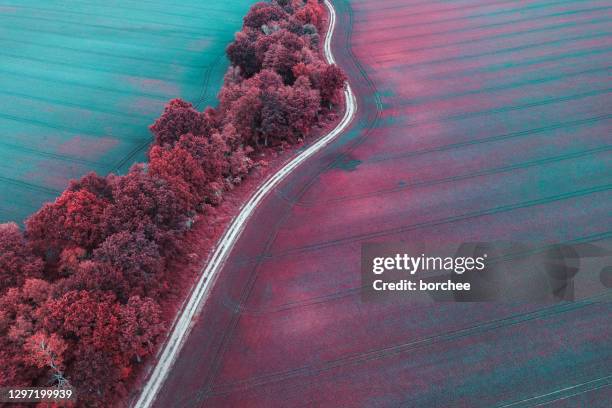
311,13
106,338
263,13
281,60
250,51
136,258
301,69
74,219
236,163
213,155
94,184
289,112
142,203
91,321
303,105
17,261
245,115
47,351
97,378
332,81
70,258
275,125
140,327
20,318
180,117
95,275
183,174
242,53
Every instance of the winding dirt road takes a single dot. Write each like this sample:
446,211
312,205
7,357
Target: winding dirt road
199,294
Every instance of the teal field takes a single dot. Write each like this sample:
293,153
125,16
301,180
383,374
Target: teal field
80,81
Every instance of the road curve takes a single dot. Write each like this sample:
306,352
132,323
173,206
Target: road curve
198,296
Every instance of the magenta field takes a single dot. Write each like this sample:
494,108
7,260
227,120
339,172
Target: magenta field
477,121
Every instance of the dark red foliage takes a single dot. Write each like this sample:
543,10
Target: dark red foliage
94,184
263,13
136,258
245,114
182,173
180,117
281,60
17,261
289,40
20,318
142,203
261,110
312,13
242,53
107,338
302,106
265,80
98,377
92,275
112,340
69,261
76,218
281,51
288,112
45,351
332,81
328,79
140,325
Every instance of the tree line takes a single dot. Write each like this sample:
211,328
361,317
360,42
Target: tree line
80,287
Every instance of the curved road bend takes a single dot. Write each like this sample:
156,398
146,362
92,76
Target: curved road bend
477,120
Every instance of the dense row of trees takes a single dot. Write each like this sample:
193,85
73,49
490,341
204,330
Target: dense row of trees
80,287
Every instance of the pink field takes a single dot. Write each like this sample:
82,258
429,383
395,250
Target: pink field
478,121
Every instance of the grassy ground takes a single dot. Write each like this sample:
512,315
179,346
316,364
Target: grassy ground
80,81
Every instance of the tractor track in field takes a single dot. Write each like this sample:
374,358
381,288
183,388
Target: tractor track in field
436,222
479,173
388,351
316,300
